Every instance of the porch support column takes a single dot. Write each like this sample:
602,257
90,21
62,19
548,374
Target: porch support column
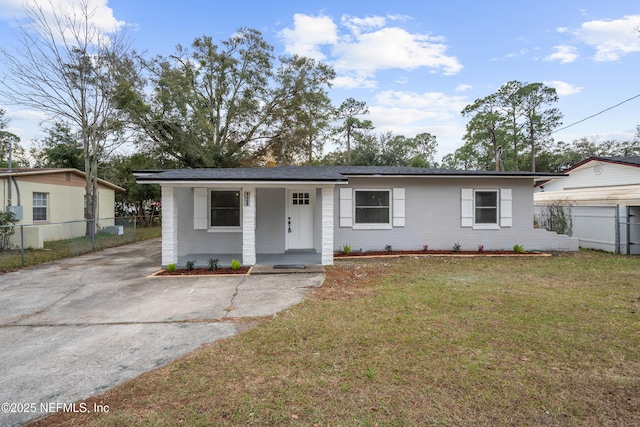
249,226
327,226
169,226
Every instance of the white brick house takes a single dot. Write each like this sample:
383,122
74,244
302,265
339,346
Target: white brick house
256,214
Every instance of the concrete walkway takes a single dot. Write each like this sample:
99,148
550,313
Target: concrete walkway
77,327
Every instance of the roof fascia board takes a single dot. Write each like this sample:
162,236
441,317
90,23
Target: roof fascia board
62,170
532,176
240,183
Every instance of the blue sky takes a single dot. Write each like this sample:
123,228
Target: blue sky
416,64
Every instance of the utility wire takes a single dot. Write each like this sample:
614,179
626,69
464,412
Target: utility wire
596,114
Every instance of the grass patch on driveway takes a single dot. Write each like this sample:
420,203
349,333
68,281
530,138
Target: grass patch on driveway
429,341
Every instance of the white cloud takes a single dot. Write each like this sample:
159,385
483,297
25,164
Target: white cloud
564,54
358,25
28,115
435,105
355,81
564,88
26,124
410,113
101,14
365,46
394,47
521,52
463,87
612,39
308,34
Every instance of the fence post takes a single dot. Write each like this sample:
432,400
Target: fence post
134,227
93,234
22,243
617,229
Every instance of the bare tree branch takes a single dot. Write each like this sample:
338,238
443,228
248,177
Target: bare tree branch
66,66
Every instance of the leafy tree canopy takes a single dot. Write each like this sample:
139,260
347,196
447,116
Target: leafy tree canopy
7,140
59,149
517,117
222,105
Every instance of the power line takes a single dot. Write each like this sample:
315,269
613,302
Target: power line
597,114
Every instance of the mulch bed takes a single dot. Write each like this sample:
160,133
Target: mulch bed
203,272
429,252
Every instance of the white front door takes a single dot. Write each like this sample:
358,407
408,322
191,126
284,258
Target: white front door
300,219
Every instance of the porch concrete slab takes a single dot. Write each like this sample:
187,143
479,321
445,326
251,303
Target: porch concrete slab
76,327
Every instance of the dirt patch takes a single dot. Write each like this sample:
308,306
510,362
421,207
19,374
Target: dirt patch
428,252
348,280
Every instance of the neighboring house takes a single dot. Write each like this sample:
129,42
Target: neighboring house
603,196
259,214
48,197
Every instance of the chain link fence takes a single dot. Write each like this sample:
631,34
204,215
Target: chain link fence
28,244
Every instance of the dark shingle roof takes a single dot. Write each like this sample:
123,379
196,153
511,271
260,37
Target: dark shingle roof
313,173
282,173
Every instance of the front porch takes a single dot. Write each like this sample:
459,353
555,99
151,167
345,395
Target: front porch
263,225
289,258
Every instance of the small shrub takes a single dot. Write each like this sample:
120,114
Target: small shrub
7,221
235,264
213,264
556,216
480,248
388,248
456,247
189,265
518,249
346,249
171,268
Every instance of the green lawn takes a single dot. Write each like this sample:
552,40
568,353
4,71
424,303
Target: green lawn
429,341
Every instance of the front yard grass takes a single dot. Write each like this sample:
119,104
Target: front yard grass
429,341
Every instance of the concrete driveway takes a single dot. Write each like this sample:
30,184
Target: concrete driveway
74,328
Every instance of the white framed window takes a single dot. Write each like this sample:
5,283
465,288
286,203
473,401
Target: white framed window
225,209
486,207
372,208
41,206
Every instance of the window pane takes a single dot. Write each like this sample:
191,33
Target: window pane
225,208
226,199
486,216
40,204
39,214
372,215
372,198
486,207
225,217
486,198
372,207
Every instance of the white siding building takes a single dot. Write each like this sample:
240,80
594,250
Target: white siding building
260,214
49,197
604,195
